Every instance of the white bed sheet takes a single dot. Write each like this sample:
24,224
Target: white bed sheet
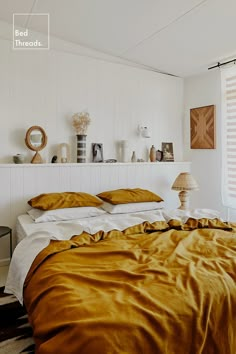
37,236
25,226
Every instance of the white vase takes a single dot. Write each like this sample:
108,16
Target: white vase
124,150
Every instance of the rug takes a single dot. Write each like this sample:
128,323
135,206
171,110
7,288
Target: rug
15,331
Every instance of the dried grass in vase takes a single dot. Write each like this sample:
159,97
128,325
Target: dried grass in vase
80,122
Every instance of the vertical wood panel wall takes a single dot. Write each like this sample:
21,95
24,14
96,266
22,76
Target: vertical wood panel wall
19,183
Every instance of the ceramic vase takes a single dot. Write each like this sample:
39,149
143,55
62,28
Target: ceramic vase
152,154
124,151
81,148
133,157
19,158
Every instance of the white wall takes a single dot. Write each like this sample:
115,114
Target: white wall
200,91
46,87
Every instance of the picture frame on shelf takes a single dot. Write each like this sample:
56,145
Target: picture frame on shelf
97,152
168,152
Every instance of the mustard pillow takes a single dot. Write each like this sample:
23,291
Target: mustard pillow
124,196
51,201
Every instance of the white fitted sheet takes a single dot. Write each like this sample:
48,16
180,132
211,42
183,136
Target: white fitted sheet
25,226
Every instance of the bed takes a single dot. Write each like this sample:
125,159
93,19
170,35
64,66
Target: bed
151,281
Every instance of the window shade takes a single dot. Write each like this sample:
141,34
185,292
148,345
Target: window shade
228,91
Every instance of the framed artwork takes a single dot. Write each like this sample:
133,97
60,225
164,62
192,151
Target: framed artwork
202,126
168,152
97,151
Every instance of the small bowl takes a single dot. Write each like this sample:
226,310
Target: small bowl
18,158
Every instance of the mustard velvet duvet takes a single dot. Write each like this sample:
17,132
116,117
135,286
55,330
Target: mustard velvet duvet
153,288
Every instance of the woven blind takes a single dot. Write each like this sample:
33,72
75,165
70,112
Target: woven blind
228,86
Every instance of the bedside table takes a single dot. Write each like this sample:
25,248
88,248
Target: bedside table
5,230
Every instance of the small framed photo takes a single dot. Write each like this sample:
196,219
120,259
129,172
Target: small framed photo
168,152
97,151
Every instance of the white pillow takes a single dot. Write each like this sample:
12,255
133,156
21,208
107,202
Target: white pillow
131,207
64,214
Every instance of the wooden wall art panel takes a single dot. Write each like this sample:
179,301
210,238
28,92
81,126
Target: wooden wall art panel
202,125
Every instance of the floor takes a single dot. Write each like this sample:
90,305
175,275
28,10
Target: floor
3,274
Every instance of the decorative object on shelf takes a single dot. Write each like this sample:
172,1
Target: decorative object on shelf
159,155
18,158
133,157
97,151
168,152
36,140
184,183
110,161
124,144
144,132
64,153
202,125
54,159
152,154
81,148
80,122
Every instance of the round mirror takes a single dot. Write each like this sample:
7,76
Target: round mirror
36,140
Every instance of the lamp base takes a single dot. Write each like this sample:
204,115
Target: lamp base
184,200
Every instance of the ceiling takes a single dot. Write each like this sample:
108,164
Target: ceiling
179,37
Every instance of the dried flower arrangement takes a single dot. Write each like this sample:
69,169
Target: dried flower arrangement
80,122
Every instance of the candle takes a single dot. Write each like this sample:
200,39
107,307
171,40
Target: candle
63,152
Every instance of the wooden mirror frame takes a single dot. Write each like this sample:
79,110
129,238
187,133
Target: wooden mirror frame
37,157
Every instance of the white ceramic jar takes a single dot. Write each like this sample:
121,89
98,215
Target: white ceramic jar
124,151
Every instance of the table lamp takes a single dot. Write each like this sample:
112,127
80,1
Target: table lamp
184,183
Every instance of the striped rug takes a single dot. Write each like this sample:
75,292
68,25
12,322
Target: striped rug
15,331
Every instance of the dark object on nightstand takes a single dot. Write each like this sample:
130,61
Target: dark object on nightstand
5,230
